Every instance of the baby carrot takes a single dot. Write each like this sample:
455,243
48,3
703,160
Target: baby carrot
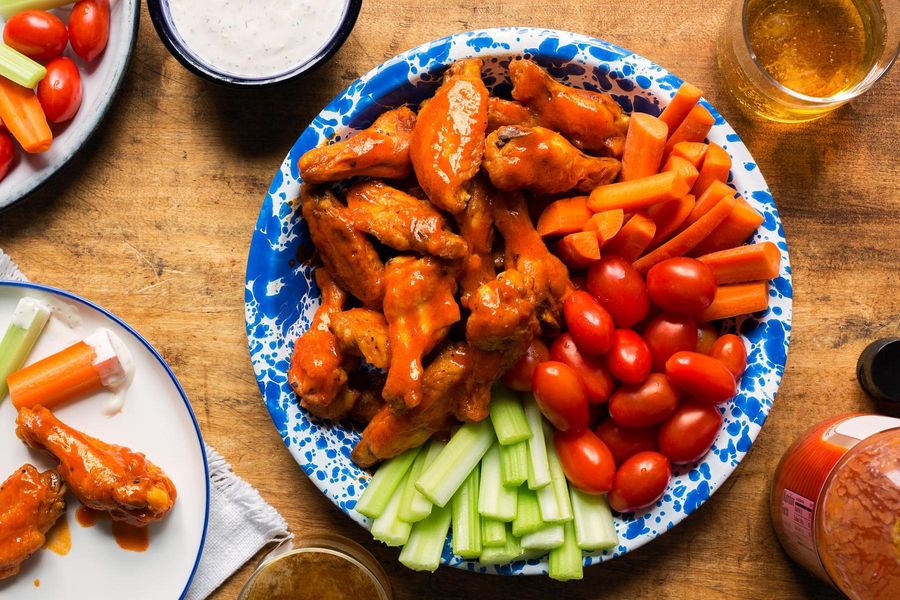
680,105
751,262
644,145
579,250
715,168
689,238
683,167
737,299
693,152
638,193
733,231
606,224
694,128
99,360
23,116
668,217
707,200
561,217
633,238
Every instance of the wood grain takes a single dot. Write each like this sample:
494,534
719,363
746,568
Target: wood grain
154,220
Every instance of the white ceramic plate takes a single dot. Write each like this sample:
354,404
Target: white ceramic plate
100,81
156,420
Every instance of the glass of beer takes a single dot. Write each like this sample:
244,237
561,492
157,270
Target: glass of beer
797,60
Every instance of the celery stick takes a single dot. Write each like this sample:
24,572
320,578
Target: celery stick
556,507
17,67
495,500
548,537
384,483
528,513
10,7
413,505
538,468
493,533
499,555
594,527
426,541
466,520
514,464
566,561
26,326
454,463
388,528
508,416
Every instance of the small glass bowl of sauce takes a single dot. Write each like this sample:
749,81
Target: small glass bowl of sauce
320,567
253,43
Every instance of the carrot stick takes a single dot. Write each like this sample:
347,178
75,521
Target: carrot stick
644,145
683,167
689,238
709,199
751,262
693,152
606,224
694,128
568,215
98,361
23,116
715,168
633,238
579,250
681,104
733,231
668,217
638,193
737,299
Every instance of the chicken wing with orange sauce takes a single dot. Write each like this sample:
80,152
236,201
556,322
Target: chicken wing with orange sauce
543,161
476,225
509,112
503,314
30,503
401,221
351,259
364,333
102,476
420,308
593,121
382,150
448,140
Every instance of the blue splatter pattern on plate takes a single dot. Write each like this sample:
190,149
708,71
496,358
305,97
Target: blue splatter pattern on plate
281,298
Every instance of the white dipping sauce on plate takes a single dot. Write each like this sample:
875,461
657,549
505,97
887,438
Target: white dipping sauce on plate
256,38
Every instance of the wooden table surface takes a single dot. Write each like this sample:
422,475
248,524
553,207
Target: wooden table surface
154,219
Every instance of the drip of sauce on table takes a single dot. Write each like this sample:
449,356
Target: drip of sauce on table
128,537
256,38
59,538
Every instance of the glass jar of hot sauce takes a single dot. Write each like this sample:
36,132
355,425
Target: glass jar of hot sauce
836,504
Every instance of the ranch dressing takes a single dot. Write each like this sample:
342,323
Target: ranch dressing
256,38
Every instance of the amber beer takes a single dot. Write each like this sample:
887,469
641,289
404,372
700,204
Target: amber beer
796,60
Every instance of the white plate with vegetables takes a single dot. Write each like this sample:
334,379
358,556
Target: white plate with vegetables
147,542
45,128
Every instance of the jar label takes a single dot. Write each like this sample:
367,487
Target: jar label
797,517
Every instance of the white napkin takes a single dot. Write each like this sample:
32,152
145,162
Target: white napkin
240,521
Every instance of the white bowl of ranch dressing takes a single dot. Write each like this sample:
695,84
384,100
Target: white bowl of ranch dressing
252,43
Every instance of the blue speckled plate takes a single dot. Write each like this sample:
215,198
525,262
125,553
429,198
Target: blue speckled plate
281,300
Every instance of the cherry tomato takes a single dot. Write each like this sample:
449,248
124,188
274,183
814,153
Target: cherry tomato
518,378
667,334
643,404
60,91
690,432
587,462
625,443
681,285
620,289
560,395
706,337
589,323
640,481
629,357
7,153
89,28
37,34
598,383
701,377
730,350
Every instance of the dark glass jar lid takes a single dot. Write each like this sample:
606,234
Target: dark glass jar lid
878,370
